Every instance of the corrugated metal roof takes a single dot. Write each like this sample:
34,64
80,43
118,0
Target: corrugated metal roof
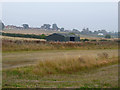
66,34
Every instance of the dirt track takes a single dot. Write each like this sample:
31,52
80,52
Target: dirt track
17,59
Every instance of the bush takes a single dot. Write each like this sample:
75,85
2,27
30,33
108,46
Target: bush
94,40
103,40
118,41
107,36
71,33
84,40
25,35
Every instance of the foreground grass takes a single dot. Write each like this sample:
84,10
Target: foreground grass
105,77
65,72
72,64
13,59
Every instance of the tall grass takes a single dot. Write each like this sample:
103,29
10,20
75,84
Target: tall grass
27,45
71,64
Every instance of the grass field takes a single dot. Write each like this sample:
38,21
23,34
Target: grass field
13,59
29,31
105,77
32,63
86,73
36,45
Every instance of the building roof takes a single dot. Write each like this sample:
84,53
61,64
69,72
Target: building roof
66,34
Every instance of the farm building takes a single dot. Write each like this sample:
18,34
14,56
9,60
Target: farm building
62,37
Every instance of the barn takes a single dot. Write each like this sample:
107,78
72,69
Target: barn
63,37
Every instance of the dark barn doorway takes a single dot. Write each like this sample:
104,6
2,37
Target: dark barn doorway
72,38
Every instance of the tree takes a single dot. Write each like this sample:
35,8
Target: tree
1,25
25,26
55,27
46,26
71,33
61,29
107,36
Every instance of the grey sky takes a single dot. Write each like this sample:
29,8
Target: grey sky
101,15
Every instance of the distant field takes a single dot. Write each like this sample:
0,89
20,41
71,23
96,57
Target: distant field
48,32
29,31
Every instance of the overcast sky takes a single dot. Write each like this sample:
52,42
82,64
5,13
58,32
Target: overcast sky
94,15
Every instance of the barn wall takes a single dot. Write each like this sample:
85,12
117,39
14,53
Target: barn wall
57,37
77,38
67,38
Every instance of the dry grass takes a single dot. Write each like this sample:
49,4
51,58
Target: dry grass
105,77
65,71
97,38
71,64
53,64
103,55
33,45
13,59
32,31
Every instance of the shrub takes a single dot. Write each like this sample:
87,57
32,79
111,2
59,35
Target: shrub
118,41
107,36
84,40
25,35
94,40
103,40
71,33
